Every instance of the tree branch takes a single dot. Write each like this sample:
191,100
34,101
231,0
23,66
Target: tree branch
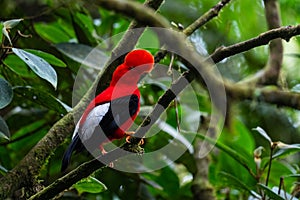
201,188
268,95
272,69
68,180
283,32
206,17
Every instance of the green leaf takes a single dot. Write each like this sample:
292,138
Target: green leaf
51,59
27,129
166,177
292,176
4,131
280,169
233,181
231,152
175,134
27,136
263,133
53,32
270,193
84,29
86,55
151,183
148,39
42,98
42,68
6,93
14,63
240,138
204,103
89,185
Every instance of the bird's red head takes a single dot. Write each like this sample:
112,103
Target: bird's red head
136,63
139,58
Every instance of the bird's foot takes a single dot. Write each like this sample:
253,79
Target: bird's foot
103,152
129,133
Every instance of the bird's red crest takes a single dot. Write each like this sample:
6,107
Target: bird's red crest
137,62
139,57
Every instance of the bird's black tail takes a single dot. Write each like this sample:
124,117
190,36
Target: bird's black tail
68,154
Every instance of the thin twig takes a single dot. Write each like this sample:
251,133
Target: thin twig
273,146
285,33
206,17
270,165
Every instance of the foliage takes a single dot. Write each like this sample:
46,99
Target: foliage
43,50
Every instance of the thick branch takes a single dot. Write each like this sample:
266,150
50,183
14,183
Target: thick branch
201,187
272,69
143,14
68,180
268,95
272,14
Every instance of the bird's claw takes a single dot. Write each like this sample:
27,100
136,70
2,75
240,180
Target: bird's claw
129,133
103,152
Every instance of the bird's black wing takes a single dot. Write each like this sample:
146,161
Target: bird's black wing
120,110
104,118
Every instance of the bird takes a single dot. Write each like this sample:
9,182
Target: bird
111,113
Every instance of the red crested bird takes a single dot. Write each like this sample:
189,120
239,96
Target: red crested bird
112,112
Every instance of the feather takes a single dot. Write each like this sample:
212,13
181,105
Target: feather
68,154
92,120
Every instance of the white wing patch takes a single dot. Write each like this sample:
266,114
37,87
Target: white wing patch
76,128
92,120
